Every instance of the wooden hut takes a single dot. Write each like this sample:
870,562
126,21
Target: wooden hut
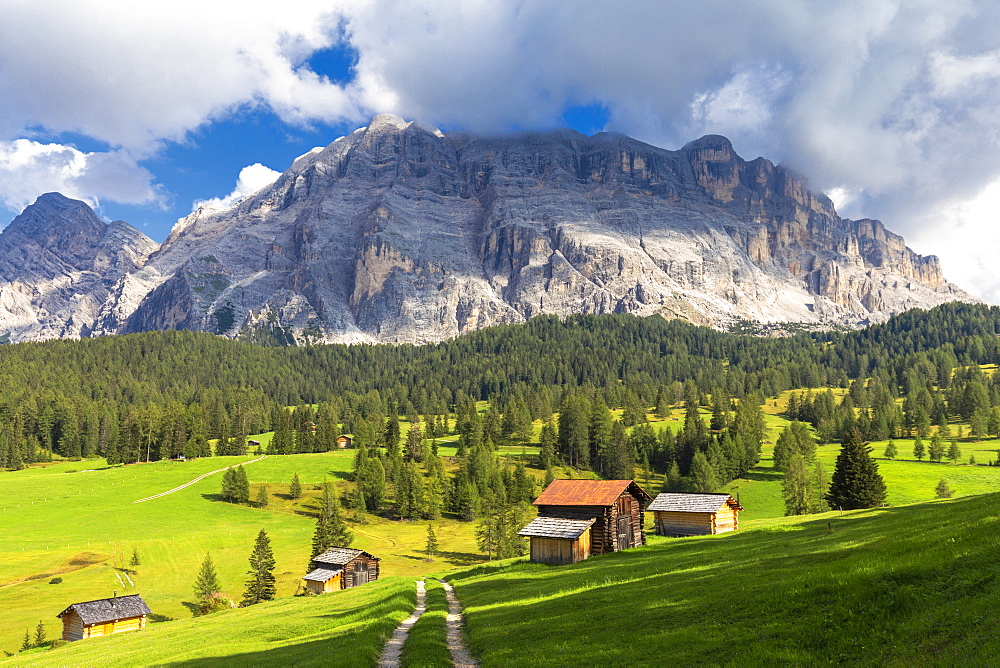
340,568
614,509
344,441
694,514
104,617
555,540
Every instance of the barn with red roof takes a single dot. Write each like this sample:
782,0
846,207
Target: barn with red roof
580,518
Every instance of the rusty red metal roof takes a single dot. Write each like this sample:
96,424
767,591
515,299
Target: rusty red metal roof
588,493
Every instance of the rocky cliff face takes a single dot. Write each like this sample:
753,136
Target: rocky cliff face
58,266
400,233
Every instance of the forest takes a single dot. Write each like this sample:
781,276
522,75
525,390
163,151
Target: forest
160,395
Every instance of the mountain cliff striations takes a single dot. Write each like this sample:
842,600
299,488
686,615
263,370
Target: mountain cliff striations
401,233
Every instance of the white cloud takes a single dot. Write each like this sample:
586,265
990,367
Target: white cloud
29,168
251,179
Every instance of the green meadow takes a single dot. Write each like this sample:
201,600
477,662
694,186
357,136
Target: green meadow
76,522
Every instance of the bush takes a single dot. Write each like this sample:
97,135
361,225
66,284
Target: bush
55,581
217,601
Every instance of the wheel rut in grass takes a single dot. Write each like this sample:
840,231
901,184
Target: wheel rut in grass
460,655
188,484
393,648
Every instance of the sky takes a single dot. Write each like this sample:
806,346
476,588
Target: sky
147,110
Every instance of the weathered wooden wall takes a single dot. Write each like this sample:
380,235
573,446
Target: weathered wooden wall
560,551
671,523
370,564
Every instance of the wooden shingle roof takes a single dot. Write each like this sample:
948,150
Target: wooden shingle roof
106,610
556,527
339,556
321,574
589,493
692,503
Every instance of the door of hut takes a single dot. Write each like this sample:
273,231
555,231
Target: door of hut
360,574
624,533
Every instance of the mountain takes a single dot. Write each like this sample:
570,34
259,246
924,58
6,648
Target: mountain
401,233
59,264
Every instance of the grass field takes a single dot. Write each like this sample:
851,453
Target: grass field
915,585
61,521
344,629
76,521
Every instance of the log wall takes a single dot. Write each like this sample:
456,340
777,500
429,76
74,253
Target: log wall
604,532
670,523
370,564
560,551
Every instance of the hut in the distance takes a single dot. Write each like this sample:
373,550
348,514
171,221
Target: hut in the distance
344,441
340,568
579,518
694,514
104,617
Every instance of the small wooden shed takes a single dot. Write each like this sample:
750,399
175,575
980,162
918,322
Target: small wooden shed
344,441
104,617
340,568
558,541
694,514
615,506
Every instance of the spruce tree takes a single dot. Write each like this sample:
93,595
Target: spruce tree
942,491
26,645
135,558
261,499
295,489
331,530
954,452
703,476
260,586
890,450
207,582
432,542
241,486
856,481
40,634
228,485
918,448
795,486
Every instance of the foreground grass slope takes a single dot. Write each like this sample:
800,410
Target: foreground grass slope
342,629
896,585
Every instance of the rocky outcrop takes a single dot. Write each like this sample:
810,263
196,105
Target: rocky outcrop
59,264
400,233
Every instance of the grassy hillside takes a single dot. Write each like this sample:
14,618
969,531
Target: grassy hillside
899,585
64,522
342,629
913,584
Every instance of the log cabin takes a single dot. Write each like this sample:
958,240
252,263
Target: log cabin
694,514
104,617
558,541
344,441
341,568
613,508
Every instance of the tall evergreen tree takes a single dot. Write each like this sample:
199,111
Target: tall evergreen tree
331,529
295,489
207,582
856,482
260,585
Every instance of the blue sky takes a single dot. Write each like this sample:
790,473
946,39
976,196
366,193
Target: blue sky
145,109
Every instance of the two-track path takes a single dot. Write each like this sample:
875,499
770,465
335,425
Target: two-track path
204,475
460,655
392,651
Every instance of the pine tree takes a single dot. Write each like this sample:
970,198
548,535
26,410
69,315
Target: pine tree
207,582
673,481
241,486
260,586
942,490
432,542
261,499
135,558
890,450
918,448
26,645
936,450
331,530
228,485
295,489
856,481
795,486
954,452
40,634
703,476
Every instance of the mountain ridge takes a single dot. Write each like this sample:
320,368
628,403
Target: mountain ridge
401,233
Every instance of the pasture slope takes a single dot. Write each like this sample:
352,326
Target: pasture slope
917,584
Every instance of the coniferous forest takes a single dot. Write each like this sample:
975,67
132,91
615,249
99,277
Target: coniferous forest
158,395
